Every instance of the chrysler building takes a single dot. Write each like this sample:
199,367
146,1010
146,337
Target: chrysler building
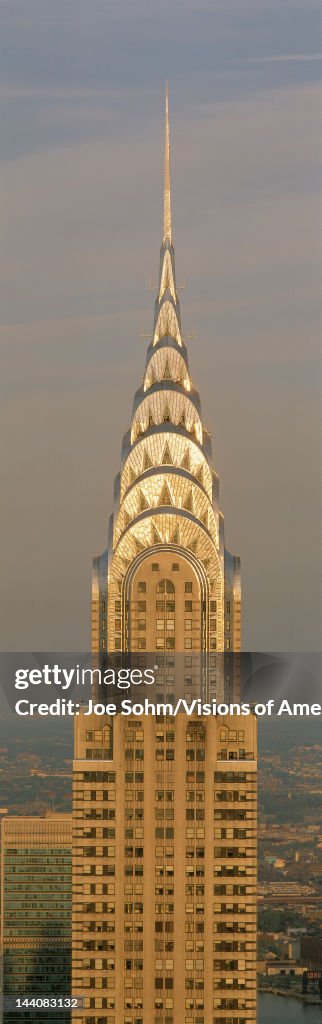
165,809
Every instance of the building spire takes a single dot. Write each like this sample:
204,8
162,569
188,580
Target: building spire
167,189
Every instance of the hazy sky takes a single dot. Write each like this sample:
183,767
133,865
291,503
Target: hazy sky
82,97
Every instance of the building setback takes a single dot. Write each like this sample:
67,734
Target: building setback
164,809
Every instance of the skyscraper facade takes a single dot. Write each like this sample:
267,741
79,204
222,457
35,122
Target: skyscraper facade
164,811
36,868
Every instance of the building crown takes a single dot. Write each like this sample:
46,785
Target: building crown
166,494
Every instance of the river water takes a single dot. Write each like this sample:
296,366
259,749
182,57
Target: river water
277,1010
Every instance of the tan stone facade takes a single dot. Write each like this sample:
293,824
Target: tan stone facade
164,923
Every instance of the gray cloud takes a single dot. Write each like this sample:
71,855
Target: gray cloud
278,57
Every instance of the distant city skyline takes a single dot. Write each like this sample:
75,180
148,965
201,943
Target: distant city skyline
82,95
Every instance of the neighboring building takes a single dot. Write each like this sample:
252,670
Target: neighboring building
36,911
282,968
165,809
3,813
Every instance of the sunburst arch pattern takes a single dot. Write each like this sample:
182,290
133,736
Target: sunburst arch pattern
166,495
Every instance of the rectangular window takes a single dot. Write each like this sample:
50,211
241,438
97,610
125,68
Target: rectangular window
142,587
155,567
188,587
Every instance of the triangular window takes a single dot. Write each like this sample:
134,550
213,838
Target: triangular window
155,536
167,459
167,375
188,502
165,496
186,460
142,502
147,462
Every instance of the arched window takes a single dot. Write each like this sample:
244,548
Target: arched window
165,587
